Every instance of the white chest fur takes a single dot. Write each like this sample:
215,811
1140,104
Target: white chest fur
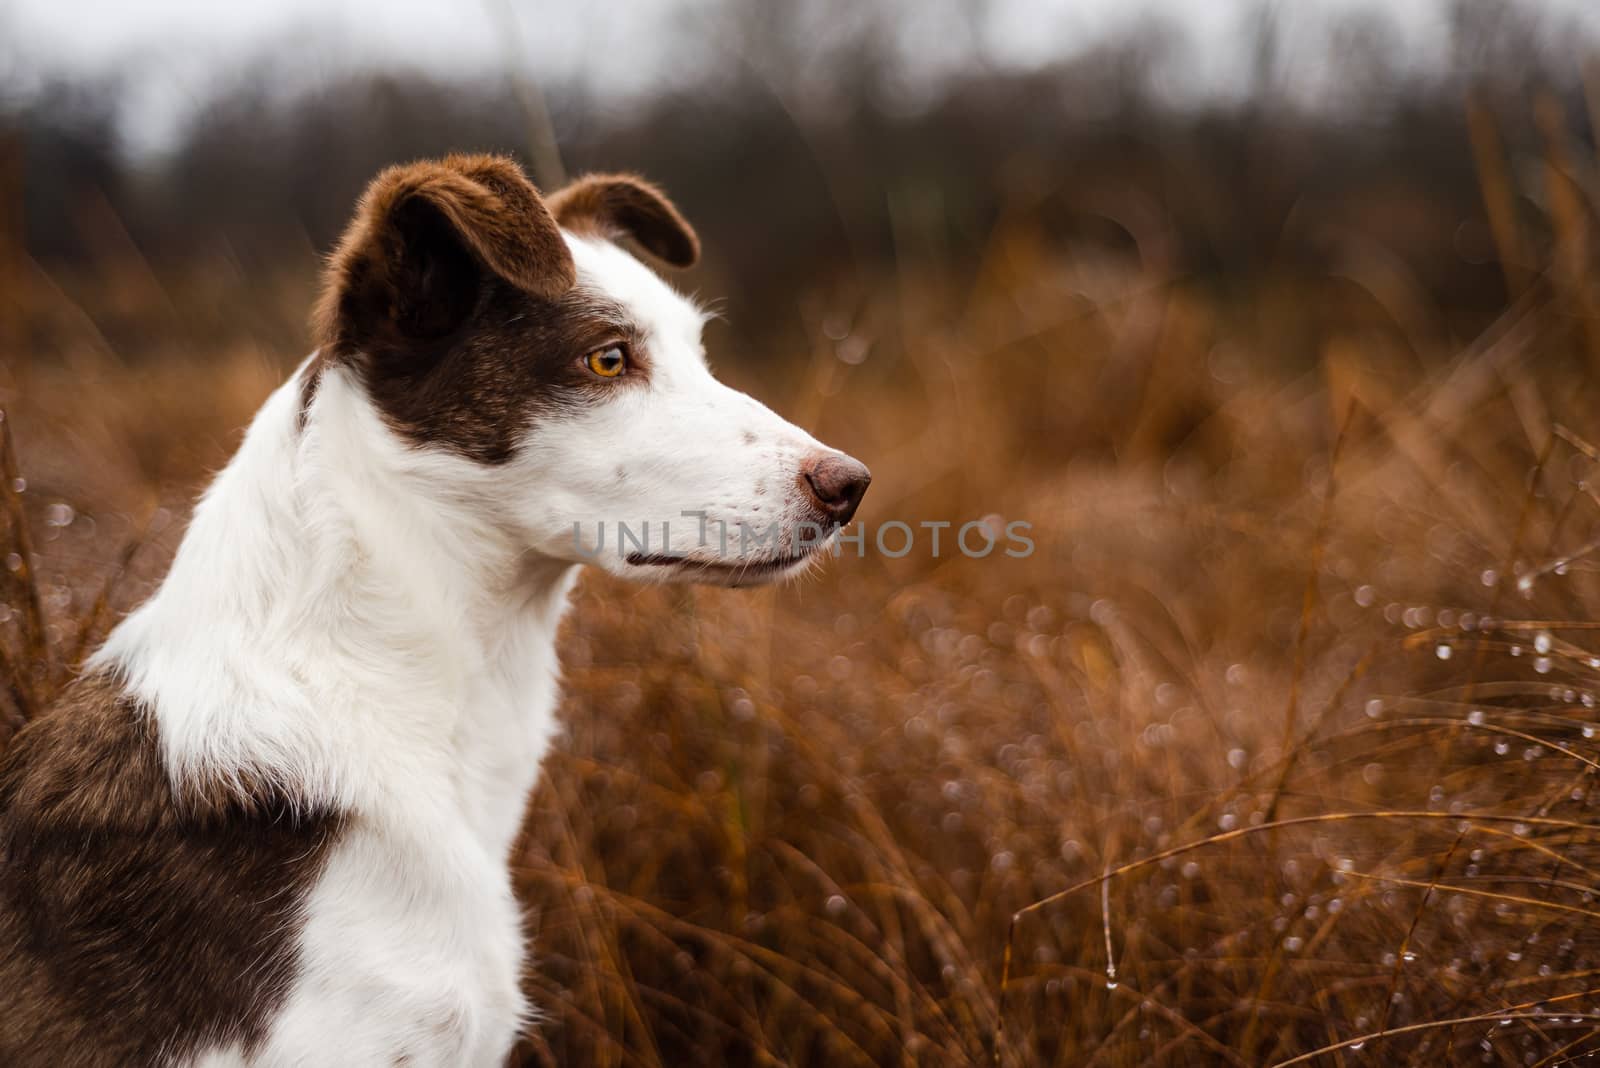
411,954
414,702
412,948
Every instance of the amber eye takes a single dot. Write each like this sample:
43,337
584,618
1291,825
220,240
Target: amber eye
608,362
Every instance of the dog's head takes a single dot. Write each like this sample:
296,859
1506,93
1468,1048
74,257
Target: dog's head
562,384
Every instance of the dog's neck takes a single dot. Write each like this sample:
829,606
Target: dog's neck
336,627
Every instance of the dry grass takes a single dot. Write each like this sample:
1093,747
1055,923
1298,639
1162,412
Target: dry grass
1280,749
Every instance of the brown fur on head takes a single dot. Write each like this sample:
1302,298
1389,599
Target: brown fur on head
409,266
452,296
627,206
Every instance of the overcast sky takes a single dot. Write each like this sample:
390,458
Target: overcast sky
173,54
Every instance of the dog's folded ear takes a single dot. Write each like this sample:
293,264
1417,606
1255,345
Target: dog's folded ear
627,206
425,238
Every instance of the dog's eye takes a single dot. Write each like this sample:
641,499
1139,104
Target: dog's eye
608,362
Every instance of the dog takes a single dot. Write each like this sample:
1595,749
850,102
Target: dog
271,823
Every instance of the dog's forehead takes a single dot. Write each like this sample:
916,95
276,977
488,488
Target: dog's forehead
657,309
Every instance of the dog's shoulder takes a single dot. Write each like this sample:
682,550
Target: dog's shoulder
137,926
90,764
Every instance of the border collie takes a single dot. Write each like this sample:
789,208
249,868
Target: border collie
272,822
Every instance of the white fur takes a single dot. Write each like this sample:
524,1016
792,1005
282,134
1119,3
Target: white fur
371,625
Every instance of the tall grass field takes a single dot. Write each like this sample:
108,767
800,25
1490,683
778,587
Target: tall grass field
1279,748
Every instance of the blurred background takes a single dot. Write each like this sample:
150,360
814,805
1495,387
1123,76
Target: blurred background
1278,321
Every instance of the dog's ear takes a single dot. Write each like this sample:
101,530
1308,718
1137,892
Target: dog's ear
625,205
425,238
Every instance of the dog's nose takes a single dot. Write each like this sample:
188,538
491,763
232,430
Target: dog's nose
837,483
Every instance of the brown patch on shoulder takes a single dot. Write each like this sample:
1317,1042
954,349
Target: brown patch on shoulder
451,298
135,929
619,206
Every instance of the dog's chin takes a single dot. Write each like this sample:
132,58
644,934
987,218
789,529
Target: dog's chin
709,571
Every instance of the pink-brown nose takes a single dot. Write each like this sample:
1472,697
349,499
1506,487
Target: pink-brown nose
837,483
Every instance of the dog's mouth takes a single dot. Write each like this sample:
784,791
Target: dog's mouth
735,573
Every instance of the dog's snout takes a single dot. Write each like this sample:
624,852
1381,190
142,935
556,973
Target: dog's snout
837,483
